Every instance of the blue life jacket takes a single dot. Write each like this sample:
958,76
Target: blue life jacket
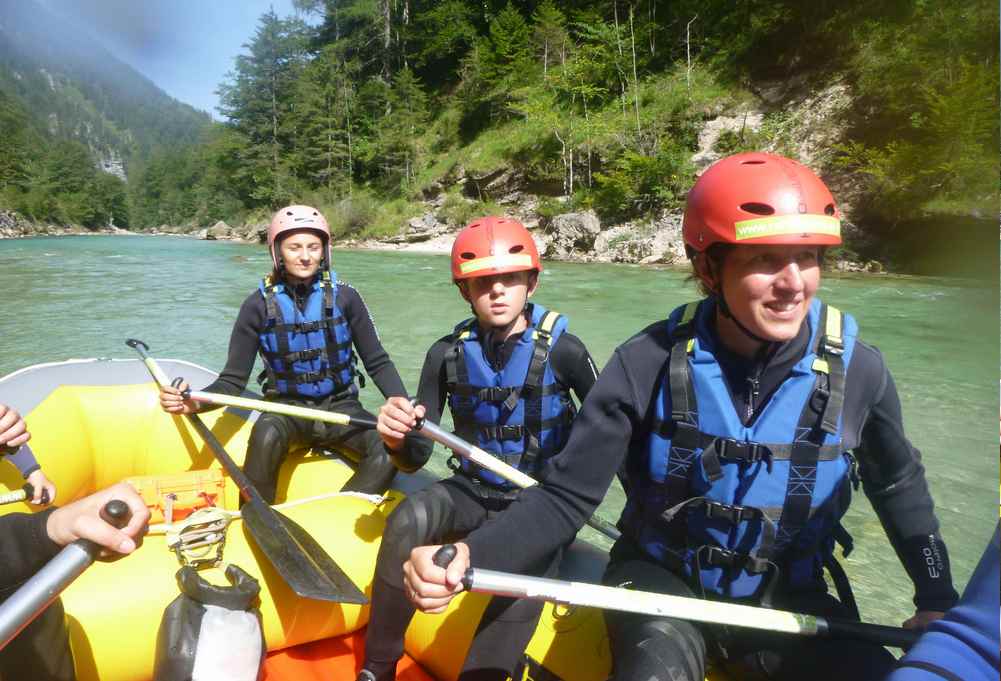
520,414
306,353
723,503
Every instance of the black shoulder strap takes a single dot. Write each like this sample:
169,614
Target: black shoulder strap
535,376
813,424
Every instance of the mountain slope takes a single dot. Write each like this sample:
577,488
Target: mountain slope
75,89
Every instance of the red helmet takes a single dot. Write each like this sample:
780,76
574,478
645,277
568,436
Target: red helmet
757,198
293,219
493,245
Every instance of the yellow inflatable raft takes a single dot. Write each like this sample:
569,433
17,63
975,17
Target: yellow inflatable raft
95,422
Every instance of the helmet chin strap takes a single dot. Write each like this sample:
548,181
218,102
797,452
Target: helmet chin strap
725,311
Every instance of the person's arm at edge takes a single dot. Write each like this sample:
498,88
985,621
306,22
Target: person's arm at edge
24,461
25,546
573,365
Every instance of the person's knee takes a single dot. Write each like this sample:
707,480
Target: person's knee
373,475
269,439
420,519
658,650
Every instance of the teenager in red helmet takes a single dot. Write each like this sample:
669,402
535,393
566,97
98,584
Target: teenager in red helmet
742,423
306,326
506,374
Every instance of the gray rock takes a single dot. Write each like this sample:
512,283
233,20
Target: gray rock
219,230
572,234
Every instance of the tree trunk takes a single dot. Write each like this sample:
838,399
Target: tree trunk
688,52
636,82
652,20
387,37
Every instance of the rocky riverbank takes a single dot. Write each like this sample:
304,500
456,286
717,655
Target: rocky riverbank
785,117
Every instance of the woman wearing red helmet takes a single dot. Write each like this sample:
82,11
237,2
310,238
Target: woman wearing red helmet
506,374
306,326
741,425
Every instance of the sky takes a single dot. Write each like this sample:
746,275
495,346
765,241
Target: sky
186,47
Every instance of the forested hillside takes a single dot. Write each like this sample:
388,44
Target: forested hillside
367,108
75,121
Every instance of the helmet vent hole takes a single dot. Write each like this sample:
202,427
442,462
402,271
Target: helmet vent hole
754,162
517,248
757,208
829,209
468,256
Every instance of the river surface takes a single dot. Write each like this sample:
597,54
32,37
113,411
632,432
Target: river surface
82,296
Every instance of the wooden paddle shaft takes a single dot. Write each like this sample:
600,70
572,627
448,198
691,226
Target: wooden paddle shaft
680,607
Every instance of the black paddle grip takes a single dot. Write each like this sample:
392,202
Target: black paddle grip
117,513
895,637
29,489
444,556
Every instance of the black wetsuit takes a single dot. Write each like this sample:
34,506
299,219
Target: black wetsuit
616,419
41,652
273,435
451,509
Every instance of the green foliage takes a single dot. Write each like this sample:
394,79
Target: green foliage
457,210
594,101
636,185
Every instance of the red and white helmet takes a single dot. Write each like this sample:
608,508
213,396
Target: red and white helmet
294,219
493,245
757,198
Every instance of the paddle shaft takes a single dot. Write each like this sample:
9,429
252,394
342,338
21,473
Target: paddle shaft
26,492
679,607
247,490
498,467
35,595
296,556
432,431
280,408
456,444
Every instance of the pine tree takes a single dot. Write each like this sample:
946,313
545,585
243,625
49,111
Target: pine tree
258,100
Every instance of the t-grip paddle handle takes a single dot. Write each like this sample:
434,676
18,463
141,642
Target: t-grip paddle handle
116,513
444,556
29,492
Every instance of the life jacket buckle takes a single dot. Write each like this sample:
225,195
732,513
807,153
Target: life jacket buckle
739,450
716,556
833,345
733,514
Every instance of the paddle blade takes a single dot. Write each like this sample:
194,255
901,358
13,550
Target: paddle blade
297,557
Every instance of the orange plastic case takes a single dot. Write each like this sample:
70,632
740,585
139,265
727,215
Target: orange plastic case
175,496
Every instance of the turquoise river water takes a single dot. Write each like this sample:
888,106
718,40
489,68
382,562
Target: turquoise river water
72,297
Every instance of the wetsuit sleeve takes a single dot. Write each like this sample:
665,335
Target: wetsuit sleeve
431,393
378,364
25,546
549,515
573,366
243,344
963,645
24,461
894,480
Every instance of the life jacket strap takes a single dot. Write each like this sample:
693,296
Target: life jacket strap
733,450
715,556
